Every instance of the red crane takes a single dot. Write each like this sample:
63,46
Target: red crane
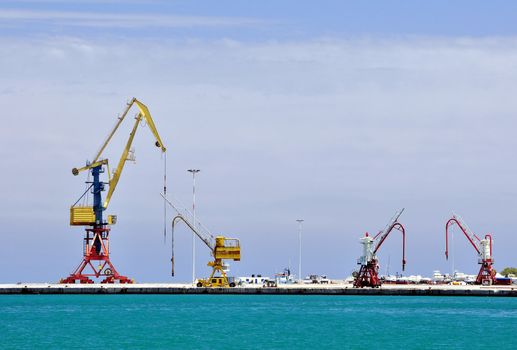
368,275
483,248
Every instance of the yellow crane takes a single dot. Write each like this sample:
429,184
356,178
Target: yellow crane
96,240
221,248
126,155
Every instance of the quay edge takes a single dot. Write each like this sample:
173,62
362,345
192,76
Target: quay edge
158,288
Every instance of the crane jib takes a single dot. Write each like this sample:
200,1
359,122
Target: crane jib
113,180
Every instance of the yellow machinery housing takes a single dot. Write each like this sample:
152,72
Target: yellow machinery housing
82,216
225,249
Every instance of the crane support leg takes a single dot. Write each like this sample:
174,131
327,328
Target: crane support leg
218,277
217,267
96,258
486,275
368,275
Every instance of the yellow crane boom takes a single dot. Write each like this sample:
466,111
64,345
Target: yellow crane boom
143,114
147,116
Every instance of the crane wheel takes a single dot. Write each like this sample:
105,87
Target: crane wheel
108,272
232,285
199,284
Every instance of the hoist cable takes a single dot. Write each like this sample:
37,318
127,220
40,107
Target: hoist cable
165,196
85,192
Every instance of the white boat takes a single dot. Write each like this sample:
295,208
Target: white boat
284,277
414,279
389,279
440,278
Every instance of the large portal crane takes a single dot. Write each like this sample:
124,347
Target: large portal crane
96,240
483,247
368,275
221,248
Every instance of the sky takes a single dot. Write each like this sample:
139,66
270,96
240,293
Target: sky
336,112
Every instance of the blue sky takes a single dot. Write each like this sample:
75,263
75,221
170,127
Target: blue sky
337,112
279,19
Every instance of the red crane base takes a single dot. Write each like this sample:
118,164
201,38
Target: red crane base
96,257
368,275
486,275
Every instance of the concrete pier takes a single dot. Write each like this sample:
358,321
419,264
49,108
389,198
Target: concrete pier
332,289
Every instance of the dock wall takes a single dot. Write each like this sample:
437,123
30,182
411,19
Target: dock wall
507,291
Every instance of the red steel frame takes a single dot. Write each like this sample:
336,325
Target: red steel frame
96,252
368,275
486,274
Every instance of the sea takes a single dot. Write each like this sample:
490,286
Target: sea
256,322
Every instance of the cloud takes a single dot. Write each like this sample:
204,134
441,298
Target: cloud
118,20
339,132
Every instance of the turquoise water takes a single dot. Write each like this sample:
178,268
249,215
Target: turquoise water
256,322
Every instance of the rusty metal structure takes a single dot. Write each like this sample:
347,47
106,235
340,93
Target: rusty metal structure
483,247
368,274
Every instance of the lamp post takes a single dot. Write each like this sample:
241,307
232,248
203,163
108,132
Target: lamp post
300,221
194,172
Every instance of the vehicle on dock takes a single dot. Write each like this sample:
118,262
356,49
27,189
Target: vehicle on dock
217,282
458,283
316,279
253,280
470,279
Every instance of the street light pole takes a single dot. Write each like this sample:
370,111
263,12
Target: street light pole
194,172
300,221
